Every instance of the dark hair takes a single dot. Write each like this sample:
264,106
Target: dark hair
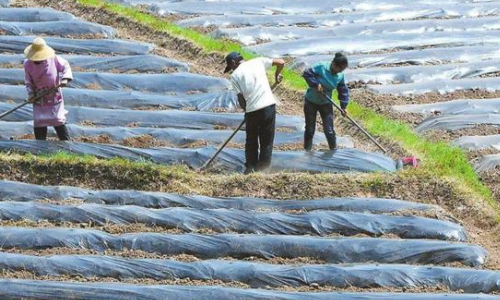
340,60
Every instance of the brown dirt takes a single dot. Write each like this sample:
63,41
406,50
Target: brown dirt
87,123
144,141
93,86
101,139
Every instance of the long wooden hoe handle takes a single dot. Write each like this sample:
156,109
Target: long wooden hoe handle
27,102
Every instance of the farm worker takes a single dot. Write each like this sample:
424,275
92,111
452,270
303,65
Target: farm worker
249,79
323,78
44,70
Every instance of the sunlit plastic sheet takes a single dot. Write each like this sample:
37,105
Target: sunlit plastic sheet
455,107
17,44
253,35
38,14
410,74
487,163
361,44
478,142
173,137
431,56
331,250
231,160
321,223
57,28
153,83
18,191
442,86
40,290
261,7
326,19
131,100
157,119
123,64
256,275
456,122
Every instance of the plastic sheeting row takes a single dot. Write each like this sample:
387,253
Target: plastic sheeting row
430,56
330,20
252,35
455,115
173,137
231,160
487,163
423,74
389,41
457,122
57,28
123,64
321,223
131,99
17,191
262,7
330,250
41,290
156,119
455,107
439,85
17,44
256,275
478,142
153,83
32,14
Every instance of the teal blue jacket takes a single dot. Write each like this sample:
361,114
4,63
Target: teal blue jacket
320,73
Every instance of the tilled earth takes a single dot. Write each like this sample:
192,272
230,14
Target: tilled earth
412,185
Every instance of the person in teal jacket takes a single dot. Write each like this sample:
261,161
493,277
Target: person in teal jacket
323,78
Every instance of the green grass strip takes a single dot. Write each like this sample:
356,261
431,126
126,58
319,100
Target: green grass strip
439,158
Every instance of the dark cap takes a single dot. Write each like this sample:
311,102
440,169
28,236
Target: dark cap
233,56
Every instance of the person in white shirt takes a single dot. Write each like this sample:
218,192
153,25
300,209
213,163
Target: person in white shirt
249,80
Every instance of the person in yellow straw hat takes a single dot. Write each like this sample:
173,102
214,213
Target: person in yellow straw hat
45,71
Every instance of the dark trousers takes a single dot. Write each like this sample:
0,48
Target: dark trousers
326,112
62,133
260,127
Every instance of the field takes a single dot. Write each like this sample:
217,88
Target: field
122,212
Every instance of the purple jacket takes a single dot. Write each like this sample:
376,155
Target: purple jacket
47,74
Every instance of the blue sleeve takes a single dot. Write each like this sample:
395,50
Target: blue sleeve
310,77
343,92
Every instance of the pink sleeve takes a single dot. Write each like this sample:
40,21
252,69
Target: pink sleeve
64,68
28,81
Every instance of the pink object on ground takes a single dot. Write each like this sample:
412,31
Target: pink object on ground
410,161
44,75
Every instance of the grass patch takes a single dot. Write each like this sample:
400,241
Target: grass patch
439,159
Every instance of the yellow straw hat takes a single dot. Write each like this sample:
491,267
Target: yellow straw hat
39,50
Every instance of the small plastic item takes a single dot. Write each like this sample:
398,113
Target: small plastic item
410,161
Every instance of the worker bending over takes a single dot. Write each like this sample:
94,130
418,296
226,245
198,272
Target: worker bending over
44,70
249,79
323,78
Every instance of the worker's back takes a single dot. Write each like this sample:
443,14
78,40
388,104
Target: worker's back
250,79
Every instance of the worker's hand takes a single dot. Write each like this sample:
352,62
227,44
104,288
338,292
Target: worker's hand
320,88
31,98
278,79
64,83
343,111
